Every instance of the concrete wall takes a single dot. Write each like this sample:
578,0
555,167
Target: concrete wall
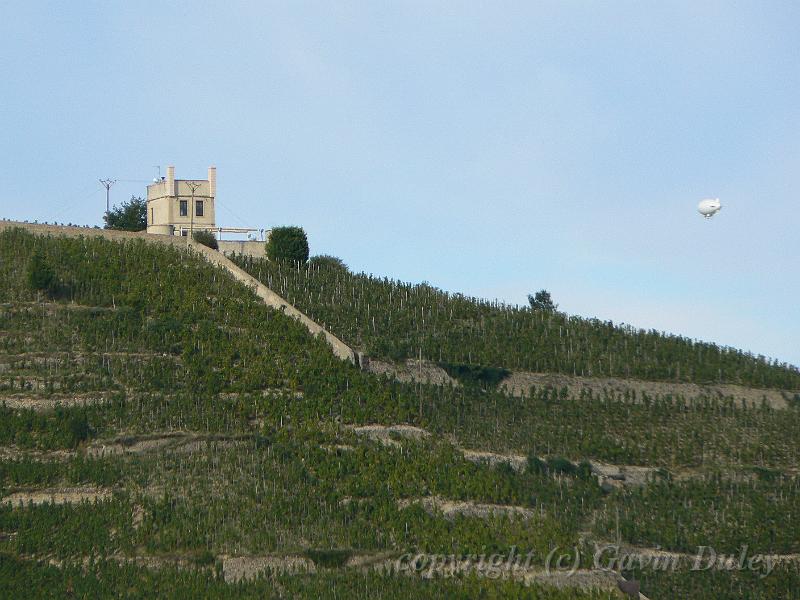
270,298
253,249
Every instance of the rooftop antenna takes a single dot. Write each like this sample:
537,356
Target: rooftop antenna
159,173
107,183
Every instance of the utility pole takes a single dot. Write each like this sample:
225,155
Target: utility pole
107,183
193,185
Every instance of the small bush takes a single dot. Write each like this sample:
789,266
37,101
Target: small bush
41,277
325,261
536,465
288,244
206,238
79,430
204,558
476,375
765,474
559,464
584,470
330,559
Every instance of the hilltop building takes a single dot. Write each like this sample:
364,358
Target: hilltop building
178,206
181,206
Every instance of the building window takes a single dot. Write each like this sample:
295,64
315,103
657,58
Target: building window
184,208
198,208
152,216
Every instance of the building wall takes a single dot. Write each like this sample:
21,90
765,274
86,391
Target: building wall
166,211
246,248
164,198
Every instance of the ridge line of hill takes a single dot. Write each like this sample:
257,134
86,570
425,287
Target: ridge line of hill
268,296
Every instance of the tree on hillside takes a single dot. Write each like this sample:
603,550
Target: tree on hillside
288,244
41,277
542,301
130,216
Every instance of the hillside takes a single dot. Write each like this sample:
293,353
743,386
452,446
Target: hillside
162,429
396,320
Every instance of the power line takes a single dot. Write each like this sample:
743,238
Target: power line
72,202
233,214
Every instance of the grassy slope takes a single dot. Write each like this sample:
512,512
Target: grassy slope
397,320
171,344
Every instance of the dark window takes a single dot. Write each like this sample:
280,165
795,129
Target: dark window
198,208
152,216
184,208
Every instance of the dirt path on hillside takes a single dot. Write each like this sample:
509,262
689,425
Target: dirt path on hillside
177,441
412,371
57,496
243,568
518,462
453,508
17,453
520,383
52,401
385,434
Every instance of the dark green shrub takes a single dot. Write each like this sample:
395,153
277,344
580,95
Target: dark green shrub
330,559
765,474
559,464
536,465
206,238
79,429
325,261
130,216
288,244
542,301
41,277
204,558
476,375
584,470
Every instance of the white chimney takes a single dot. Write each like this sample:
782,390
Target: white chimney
212,181
171,181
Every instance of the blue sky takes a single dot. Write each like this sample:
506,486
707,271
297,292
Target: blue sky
490,148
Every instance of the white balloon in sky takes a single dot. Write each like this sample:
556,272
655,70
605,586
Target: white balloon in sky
709,207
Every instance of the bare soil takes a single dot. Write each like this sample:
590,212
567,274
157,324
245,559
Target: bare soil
239,568
57,496
50,402
383,433
452,508
518,462
519,384
412,371
178,441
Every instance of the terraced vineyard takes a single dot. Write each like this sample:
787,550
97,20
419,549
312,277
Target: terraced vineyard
397,320
164,432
